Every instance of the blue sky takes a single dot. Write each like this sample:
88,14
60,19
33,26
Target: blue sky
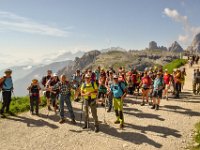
32,28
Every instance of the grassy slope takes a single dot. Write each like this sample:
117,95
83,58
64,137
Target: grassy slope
197,137
175,64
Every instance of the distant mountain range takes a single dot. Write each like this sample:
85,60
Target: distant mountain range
21,84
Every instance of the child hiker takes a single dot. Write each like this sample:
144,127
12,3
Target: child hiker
34,90
119,92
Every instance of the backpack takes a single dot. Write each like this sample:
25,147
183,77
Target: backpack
120,86
84,86
2,83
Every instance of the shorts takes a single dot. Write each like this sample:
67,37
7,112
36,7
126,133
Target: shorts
157,94
101,95
167,86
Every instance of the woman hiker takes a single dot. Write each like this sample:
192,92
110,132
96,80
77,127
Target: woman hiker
34,93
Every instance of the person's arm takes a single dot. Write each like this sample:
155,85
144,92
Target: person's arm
2,79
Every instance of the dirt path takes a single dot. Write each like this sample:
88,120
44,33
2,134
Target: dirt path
167,129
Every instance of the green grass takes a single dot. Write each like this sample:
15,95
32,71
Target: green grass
22,104
175,64
197,136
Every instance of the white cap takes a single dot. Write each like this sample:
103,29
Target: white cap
87,76
55,75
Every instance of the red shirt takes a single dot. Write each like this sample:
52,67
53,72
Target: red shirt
166,78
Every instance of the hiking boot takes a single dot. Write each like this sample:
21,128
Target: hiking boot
77,100
32,113
102,104
142,104
73,121
2,115
117,122
85,126
150,103
157,107
37,114
96,129
121,126
61,121
49,108
109,110
153,107
10,113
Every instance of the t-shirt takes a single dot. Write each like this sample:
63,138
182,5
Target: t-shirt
166,78
117,91
158,82
8,84
34,91
89,88
64,88
146,82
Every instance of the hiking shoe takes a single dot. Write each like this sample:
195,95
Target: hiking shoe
117,122
73,121
77,100
32,113
153,107
49,108
85,126
150,103
109,110
61,121
157,107
142,104
10,113
121,126
96,129
2,115
102,104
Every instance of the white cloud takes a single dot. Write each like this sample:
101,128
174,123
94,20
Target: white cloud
13,22
189,31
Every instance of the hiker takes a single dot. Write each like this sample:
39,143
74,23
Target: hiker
109,82
7,89
47,93
183,74
119,92
197,59
97,74
102,90
167,83
157,90
65,93
177,80
54,90
194,81
146,86
77,80
89,91
130,83
34,90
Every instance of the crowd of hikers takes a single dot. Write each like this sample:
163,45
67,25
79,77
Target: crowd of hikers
99,88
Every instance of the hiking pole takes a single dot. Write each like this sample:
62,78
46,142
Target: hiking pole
81,117
105,110
14,95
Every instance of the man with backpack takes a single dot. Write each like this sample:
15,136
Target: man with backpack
47,94
177,80
77,80
157,90
65,93
89,91
7,88
167,82
119,92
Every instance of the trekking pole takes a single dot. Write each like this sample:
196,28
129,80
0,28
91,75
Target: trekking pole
105,110
81,117
14,95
